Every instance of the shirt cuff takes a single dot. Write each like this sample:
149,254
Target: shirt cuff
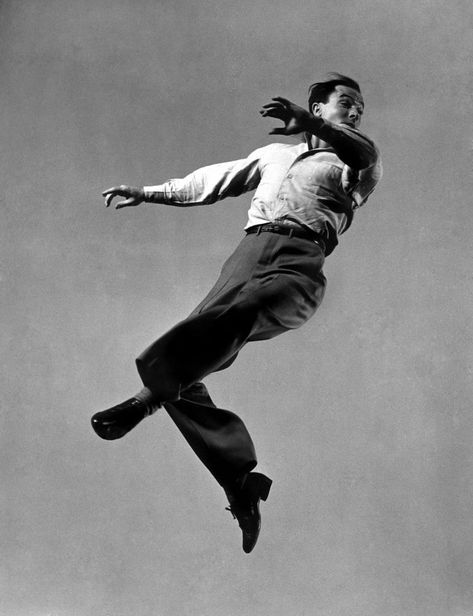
155,194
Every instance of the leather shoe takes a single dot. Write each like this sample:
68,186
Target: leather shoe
120,419
244,506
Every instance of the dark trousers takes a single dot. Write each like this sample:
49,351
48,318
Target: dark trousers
270,284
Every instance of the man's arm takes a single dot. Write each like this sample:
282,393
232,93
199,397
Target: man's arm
201,187
352,147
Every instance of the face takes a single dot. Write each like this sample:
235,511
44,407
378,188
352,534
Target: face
344,106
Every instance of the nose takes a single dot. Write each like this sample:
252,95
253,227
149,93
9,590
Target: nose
353,114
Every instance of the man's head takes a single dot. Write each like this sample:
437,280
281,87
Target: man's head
337,100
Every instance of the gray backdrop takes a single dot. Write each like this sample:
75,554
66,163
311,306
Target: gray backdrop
363,418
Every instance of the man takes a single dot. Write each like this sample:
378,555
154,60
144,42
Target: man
305,198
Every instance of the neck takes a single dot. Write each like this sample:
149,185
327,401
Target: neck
315,142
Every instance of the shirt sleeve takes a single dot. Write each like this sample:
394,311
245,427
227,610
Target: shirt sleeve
352,147
209,184
359,185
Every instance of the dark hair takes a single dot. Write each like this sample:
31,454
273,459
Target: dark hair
321,90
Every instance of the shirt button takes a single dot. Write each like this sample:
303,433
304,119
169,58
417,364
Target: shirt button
289,176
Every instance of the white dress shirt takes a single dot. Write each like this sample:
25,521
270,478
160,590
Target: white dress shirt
306,184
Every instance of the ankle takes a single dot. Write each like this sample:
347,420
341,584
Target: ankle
234,489
146,396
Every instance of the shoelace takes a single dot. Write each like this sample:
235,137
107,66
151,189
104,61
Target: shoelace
231,511
242,517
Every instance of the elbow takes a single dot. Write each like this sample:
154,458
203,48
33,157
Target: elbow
363,160
361,163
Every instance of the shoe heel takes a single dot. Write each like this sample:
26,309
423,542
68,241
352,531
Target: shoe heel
258,485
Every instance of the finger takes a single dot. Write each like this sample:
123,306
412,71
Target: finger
274,105
274,113
109,198
283,101
126,203
115,189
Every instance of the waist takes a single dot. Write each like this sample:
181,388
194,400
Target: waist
290,231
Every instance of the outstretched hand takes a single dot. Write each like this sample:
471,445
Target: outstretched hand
134,196
296,119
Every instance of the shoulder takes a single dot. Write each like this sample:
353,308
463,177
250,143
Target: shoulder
274,149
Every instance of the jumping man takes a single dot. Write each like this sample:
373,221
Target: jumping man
305,197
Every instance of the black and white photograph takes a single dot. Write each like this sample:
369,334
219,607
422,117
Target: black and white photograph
236,297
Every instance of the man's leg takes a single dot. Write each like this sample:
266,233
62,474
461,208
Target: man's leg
222,443
203,343
218,437
196,347
270,284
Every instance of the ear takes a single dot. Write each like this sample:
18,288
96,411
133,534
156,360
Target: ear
316,109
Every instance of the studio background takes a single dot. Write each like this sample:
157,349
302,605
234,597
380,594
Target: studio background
363,418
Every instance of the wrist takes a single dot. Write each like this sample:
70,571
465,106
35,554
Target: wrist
147,195
153,194
314,125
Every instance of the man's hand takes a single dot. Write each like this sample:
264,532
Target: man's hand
134,196
296,119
